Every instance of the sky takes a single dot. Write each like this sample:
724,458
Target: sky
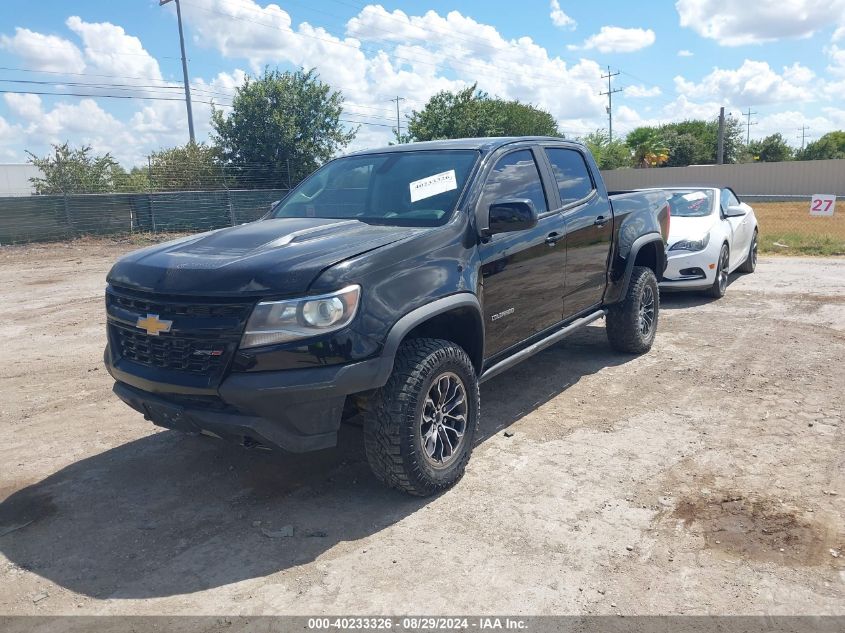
782,59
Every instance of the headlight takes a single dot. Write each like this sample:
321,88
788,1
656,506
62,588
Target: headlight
292,319
691,245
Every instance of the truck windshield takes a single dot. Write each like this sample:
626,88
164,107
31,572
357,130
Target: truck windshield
398,188
691,203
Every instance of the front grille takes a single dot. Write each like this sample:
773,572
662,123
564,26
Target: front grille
198,356
145,306
203,337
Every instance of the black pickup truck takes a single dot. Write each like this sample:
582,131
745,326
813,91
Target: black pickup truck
386,286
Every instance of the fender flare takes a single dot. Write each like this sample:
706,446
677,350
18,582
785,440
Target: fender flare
414,318
636,246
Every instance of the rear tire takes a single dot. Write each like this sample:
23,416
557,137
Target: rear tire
720,284
750,263
421,426
632,324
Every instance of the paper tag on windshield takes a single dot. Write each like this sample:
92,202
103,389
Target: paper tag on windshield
695,195
433,185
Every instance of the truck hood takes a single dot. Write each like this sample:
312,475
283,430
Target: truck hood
277,256
693,228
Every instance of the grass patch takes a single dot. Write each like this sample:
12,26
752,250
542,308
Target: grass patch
801,244
786,228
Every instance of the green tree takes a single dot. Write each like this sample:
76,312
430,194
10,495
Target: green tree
772,149
281,119
75,170
523,119
648,148
831,145
685,148
471,113
608,155
136,179
191,166
695,141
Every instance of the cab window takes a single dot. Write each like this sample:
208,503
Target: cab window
571,173
515,176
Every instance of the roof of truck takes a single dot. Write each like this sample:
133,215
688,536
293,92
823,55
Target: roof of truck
485,144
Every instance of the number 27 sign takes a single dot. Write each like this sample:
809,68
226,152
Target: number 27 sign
822,204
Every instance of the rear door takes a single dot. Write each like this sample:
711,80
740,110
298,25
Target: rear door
522,272
588,226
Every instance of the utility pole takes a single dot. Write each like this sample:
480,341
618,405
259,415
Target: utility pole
609,93
720,149
748,125
804,129
184,69
397,99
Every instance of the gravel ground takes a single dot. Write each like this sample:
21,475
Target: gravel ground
706,477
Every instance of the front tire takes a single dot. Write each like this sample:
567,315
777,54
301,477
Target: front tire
720,284
632,324
750,263
420,429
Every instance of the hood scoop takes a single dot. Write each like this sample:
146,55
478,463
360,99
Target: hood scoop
312,233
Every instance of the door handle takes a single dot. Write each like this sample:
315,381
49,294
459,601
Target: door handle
601,221
552,238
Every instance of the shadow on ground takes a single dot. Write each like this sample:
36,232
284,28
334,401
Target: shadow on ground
683,299
172,514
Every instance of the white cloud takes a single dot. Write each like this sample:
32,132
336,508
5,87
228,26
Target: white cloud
386,53
84,122
615,39
23,106
379,55
44,52
732,23
641,92
837,60
559,18
838,34
754,82
789,123
685,53
110,50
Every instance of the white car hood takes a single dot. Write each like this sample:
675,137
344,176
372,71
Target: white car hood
683,228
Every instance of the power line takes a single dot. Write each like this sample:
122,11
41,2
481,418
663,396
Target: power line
397,99
184,70
804,129
610,92
748,124
103,95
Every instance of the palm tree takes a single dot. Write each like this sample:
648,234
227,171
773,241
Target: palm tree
648,147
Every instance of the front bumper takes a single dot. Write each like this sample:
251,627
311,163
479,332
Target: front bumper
681,273
297,410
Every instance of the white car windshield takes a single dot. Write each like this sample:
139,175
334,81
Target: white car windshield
691,203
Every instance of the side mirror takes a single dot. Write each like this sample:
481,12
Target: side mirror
735,211
505,216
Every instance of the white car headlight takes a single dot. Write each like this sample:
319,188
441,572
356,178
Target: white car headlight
292,319
691,245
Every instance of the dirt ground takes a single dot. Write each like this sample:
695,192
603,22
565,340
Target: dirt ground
706,477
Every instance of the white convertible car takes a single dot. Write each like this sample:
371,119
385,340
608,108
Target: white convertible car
712,234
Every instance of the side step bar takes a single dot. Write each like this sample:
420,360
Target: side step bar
540,345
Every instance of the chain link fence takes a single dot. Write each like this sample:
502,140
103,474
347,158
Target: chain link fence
787,228
189,200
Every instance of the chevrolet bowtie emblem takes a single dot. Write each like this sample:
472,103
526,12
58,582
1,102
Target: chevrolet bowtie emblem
153,325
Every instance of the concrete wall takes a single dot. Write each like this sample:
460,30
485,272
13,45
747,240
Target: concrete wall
773,179
14,179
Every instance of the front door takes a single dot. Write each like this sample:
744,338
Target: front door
740,228
522,272
589,230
